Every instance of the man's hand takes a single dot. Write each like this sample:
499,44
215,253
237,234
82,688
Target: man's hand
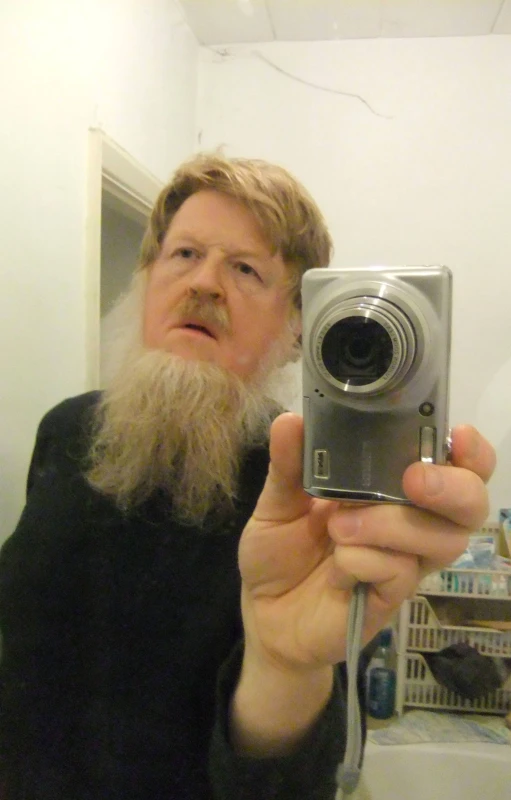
300,556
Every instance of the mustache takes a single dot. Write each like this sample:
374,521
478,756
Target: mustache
205,310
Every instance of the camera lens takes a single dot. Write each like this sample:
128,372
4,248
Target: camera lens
357,351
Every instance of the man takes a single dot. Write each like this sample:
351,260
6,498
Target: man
172,610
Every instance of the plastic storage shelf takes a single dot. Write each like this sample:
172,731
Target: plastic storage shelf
425,633
422,691
420,631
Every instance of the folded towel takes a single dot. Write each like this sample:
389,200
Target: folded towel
417,726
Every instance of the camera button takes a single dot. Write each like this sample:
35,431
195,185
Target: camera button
427,444
321,464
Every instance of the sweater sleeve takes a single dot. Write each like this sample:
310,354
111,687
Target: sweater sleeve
39,584
307,773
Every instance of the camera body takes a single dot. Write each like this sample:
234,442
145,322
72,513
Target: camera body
376,352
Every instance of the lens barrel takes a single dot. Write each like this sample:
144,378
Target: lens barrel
365,345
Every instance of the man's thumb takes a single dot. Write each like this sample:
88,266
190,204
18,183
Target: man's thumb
283,497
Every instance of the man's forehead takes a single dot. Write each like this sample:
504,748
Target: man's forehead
211,218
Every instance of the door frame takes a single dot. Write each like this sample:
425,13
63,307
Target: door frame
134,190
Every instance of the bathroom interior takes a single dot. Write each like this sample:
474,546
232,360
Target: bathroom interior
397,118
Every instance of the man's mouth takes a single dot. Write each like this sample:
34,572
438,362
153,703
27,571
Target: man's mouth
199,328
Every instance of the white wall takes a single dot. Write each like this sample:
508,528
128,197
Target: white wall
127,66
421,177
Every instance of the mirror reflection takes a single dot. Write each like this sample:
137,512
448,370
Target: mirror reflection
191,605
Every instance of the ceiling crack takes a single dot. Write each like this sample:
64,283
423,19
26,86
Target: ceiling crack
497,15
317,85
225,53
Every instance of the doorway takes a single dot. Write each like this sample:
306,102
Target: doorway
121,194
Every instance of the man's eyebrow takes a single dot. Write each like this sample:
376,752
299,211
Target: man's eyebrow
192,238
250,254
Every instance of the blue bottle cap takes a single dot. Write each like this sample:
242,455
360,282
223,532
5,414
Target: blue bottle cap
386,637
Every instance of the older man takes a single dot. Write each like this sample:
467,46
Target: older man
174,612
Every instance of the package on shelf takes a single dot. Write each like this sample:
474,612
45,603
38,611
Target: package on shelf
505,527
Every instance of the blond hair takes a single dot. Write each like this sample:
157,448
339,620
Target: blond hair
289,219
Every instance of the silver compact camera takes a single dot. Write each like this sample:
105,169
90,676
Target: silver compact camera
376,347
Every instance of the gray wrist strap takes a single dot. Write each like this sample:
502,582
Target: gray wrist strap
348,773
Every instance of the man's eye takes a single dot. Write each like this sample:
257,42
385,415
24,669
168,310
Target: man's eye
184,252
246,269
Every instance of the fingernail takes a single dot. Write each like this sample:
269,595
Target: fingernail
433,480
348,523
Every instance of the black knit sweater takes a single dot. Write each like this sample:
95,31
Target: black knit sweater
122,643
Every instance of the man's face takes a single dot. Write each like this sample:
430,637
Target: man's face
216,293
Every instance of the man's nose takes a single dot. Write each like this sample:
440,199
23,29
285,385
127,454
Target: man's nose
208,277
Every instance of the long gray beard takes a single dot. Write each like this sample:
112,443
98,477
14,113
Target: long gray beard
178,425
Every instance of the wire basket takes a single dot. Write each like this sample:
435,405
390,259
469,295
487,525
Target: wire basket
422,691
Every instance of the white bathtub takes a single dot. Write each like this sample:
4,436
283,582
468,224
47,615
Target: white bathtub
470,771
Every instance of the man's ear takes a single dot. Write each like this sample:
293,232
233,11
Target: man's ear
295,324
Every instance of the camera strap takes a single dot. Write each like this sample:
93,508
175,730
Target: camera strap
348,772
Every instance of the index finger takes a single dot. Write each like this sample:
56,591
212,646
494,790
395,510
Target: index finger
472,451
455,492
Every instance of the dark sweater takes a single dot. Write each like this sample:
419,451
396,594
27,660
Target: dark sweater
122,643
